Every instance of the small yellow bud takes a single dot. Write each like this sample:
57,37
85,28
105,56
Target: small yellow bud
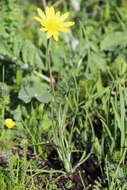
9,123
6,100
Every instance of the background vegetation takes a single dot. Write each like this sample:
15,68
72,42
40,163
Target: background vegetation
80,140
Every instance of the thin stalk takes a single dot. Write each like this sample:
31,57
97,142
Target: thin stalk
48,58
44,3
3,108
42,76
82,179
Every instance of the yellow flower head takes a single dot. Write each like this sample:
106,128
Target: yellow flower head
9,123
6,100
52,22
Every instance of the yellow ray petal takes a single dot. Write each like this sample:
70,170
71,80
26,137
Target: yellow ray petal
64,16
49,34
38,19
58,14
64,30
40,12
42,21
47,11
68,23
52,11
43,29
56,35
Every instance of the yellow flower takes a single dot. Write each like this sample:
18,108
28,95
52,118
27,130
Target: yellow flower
52,22
9,123
6,100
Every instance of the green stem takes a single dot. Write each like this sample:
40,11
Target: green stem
49,66
44,3
3,108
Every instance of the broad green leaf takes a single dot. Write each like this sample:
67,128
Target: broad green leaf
31,55
18,42
17,113
4,89
34,89
24,94
97,61
45,124
113,39
5,52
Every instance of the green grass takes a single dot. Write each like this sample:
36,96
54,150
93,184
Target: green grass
58,140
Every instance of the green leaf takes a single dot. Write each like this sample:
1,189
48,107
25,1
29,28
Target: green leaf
5,52
45,124
111,40
18,42
97,148
31,55
97,61
4,90
33,88
24,94
44,98
17,114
